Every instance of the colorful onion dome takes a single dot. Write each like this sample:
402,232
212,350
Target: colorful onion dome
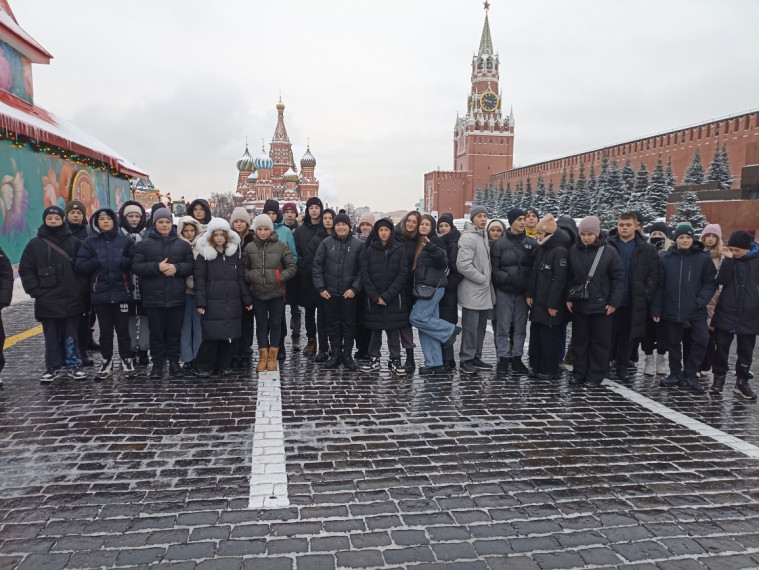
308,160
245,163
290,175
263,161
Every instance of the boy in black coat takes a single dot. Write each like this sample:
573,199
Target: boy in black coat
6,292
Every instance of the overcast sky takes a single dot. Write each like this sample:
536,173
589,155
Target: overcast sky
176,85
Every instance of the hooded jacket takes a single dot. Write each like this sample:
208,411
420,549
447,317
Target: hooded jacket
220,286
337,265
159,290
686,284
432,264
548,281
285,235
475,290
384,273
49,278
307,237
512,257
605,288
204,203
737,309
183,221
124,226
449,310
268,265
106,257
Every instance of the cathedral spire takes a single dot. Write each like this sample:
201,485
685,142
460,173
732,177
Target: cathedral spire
486,43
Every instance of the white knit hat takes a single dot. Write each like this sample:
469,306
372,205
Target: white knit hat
262,221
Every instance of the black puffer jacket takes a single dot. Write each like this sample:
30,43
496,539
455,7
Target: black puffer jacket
686,284
605,287
49,278
204,204
80,231
737,308
512,257
337,265
431,264
6,280
548,283
384,273
307,237
106,258
157,289
220,288
449,309
643,282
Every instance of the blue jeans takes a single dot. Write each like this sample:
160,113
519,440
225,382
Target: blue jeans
433,331
192,335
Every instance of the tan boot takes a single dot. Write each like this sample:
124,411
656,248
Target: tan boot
271,364
263,354
310,348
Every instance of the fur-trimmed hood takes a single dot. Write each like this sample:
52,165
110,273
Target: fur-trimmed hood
207,250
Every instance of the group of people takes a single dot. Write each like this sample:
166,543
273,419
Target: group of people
193,294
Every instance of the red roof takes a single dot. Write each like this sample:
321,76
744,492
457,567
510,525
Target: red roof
13,34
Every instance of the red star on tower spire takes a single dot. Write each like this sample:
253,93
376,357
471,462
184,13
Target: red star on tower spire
486,4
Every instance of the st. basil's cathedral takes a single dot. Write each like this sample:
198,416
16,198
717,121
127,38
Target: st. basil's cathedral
275,175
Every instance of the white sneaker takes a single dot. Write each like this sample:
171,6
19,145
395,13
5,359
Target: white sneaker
127,366
106,370
78,374
47,378
650,368
662,364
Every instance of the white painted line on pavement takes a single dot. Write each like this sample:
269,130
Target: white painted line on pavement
268,476
747,449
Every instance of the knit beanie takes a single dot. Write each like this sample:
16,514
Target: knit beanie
262,221
314,202
445,218
154,207
162,213
343,218
53,210
290,206
659,227
515,213
547,224
532,211
715,229
740,239
239,213
383,222
477,210
76,205
366,218
131,209
590,224
271,206
684,229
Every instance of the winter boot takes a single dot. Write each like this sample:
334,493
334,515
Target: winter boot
662,364
334,359
503,365
409,366
271,360
650,368
717,385
263,356
282,354
743,390
157,370
175,370
693,383
310,348
517,366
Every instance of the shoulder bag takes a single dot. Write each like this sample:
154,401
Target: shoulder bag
581,292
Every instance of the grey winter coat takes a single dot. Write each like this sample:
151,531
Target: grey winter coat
475,290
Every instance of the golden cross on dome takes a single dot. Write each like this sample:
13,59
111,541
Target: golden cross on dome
486,4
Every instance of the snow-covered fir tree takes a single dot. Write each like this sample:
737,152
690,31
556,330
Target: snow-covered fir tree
551,202
658,190
719,169
591,189
518,195
638,201
527,199
694,174
670,175
563,195
613,196
579,204
689,211
538,200
489,199
477,201
628,175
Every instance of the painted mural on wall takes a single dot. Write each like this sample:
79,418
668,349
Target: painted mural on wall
15,73
31,181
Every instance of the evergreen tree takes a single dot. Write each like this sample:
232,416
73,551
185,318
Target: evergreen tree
518,195
506,200
695,172
477,197
689,211
638,199
658,191
488,199
591,189
602,184
628,175
527,200
719,169
579,198
538,201
670,175
614,196
551,202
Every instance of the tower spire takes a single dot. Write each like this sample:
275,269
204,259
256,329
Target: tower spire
486,43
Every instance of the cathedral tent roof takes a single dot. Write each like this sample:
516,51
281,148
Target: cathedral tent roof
486,43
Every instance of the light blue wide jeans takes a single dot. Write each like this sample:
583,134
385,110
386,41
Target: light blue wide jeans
433,331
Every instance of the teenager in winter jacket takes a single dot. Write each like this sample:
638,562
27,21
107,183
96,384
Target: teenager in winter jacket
308,236
546,298
133,224
475,293
655,338
512,257
407,232
592,317
76,220
268,265
106,257
737,313
337,278
686,284
290,215
201,211
429,266
47,274
449,304
363,335
163,261
711,237
188,229
220,295
384,270
6,293
239,221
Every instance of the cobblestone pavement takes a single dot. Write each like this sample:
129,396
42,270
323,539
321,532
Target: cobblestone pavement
449,472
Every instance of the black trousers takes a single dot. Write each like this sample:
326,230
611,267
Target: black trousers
112,317
268,321
2,344
241,346
341,322
363,334
165,332
61,343
655,339
316,324
622,344
744,349
214,355
591,345
545,348
699,332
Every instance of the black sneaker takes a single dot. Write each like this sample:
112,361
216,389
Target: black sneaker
156,371
671,380
430,370
106,370
743,390
574,380
349,363
450,364
503,365
452,339
517,366
480,365
372,366
174,369
623,373
717,385
396,367
321,356
334,360
693,383
467,367
409,366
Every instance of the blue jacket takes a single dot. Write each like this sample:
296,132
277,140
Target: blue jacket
107,258
686,284
285,235
737,309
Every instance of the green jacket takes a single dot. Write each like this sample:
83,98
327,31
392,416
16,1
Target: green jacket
268,265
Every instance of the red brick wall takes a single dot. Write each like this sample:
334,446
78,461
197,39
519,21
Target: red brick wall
731,215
